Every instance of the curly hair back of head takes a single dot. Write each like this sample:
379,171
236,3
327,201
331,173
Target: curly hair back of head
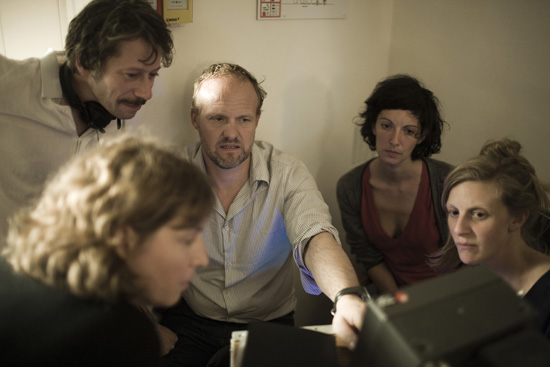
69,239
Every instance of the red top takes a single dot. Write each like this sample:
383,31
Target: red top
405,256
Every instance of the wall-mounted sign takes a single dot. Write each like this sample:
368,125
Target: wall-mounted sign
302,9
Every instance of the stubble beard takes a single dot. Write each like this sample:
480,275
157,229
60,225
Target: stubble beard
228,164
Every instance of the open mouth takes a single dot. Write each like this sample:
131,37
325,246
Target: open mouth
229,146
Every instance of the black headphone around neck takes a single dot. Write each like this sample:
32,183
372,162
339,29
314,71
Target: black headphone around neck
92,113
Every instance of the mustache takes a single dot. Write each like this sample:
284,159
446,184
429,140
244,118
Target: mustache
228,140
135,102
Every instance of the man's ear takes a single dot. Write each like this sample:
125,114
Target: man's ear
126,240
518,221
85,73
194,118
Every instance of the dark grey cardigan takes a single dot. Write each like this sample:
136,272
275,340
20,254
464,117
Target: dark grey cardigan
349,193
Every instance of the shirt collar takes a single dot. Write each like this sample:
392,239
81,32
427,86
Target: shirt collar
49,70
196,156
260,168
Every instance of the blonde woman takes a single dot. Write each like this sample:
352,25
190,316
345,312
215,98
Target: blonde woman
114,230
497,212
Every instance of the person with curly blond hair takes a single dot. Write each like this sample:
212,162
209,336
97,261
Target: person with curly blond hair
115,230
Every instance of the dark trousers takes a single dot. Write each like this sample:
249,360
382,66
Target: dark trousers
201,341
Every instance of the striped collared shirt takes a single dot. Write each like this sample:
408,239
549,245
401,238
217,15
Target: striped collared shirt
276,212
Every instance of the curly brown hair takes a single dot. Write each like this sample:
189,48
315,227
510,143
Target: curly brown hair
69,239
404,92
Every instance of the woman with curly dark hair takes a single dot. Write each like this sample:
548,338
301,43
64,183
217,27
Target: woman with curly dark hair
390,204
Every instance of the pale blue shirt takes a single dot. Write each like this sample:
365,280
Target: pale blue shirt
276,212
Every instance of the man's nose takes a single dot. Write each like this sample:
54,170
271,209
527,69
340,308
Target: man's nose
145,89
230,130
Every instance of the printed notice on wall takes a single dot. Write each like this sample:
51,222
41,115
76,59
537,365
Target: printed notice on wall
302,9
177,4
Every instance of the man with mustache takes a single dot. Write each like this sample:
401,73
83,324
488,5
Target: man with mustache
268,213
59,105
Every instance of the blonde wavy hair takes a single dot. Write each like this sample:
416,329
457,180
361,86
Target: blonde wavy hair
520,190
69,239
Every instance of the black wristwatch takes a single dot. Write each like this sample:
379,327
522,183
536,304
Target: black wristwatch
359,291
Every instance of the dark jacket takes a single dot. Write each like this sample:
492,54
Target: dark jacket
41,326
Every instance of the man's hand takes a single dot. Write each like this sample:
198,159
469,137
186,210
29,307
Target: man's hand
167,339
334,272
348,320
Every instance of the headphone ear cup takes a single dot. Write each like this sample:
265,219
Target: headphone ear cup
67,87
92,113
97,115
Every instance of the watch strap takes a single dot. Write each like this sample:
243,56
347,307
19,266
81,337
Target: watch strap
359,291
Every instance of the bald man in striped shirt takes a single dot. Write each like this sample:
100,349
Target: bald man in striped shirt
269,213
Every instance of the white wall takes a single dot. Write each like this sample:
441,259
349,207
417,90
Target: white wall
488,61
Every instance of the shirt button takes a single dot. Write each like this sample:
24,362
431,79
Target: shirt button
226,228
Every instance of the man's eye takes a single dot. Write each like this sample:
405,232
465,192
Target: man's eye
187,241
